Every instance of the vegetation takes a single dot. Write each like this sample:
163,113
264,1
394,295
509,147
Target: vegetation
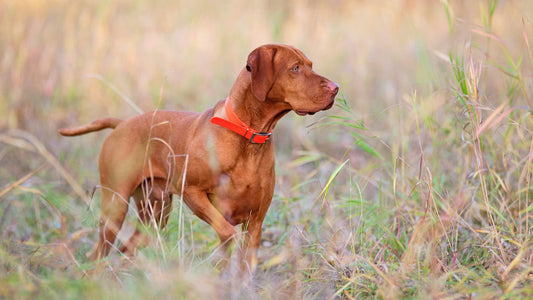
416,185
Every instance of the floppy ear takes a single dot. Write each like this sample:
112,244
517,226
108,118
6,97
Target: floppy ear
261,64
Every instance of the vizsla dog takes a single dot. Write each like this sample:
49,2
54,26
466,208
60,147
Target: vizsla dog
221,161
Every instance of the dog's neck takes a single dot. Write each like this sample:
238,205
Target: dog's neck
259,115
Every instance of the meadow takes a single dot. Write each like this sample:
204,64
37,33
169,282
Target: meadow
417,184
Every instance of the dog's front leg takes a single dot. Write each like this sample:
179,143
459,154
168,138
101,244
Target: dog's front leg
252,239
199,203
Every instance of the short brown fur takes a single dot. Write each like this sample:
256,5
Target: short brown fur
228,180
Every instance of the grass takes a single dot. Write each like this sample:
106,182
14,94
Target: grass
416,185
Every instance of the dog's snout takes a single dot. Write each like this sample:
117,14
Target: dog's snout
333,87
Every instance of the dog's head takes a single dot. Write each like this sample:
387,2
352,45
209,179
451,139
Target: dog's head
283,73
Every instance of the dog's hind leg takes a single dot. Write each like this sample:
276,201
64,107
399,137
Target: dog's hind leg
154,204
114,209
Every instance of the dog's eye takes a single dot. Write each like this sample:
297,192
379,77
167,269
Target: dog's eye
295,68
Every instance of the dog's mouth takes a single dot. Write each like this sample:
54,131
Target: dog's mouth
302,112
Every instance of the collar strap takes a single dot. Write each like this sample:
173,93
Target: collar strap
236,125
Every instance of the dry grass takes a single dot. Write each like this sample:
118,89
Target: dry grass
417,185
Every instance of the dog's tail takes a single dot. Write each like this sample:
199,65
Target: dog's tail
93,126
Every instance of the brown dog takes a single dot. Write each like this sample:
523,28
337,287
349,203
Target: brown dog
223,167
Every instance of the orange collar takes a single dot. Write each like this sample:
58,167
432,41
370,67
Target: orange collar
236,125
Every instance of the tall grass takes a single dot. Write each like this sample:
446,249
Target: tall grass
416,185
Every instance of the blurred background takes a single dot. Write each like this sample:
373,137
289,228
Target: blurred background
59,58
419,81
66,63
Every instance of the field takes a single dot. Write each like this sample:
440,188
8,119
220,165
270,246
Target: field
417,184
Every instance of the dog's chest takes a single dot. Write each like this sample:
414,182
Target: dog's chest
243,192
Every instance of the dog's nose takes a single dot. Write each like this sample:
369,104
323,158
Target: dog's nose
333,87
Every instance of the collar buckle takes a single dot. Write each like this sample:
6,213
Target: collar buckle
261,134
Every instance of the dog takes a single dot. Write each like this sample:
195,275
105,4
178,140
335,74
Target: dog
221,160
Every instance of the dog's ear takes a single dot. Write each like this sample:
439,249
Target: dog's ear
261,64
